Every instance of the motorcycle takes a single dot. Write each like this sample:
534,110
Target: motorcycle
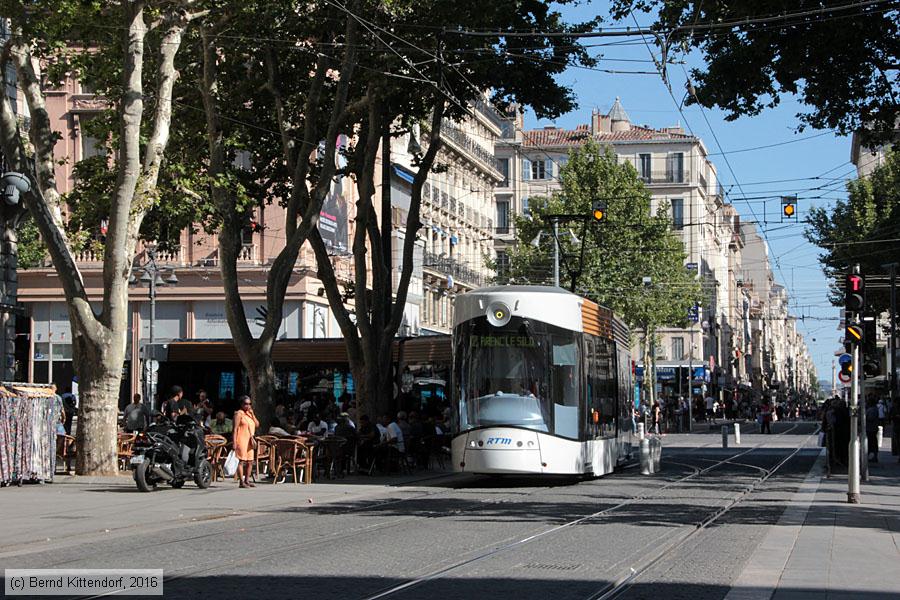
173,453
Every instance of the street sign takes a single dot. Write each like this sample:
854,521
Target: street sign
844,377
844,359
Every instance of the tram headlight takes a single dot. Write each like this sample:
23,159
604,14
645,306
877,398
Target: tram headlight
498,314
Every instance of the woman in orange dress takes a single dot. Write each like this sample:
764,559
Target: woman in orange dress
245,424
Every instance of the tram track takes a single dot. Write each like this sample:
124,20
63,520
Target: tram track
618,586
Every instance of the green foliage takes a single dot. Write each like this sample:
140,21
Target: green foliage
32,251
631,244
862,229
841,63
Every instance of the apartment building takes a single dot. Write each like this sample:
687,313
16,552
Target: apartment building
677,169
457,212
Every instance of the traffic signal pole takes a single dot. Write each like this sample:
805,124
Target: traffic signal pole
854,456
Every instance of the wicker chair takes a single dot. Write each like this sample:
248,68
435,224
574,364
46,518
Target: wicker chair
289,455
215,453
124,447
65,451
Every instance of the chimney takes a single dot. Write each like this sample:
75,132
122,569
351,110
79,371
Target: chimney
599,122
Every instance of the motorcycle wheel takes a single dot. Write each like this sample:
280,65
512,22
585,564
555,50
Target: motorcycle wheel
177,484
203,477
143,478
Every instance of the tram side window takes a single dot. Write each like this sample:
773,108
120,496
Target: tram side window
565,378
592,402
606,386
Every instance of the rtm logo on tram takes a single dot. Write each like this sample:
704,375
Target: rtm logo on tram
499,441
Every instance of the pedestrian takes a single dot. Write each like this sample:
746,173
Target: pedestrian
656,414
135,418
872,429
710,405
245,424
766,414
70,405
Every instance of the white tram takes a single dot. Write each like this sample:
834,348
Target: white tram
541,383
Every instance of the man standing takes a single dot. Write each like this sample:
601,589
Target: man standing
710,409
136,417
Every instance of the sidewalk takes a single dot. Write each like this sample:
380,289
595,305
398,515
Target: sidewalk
824,548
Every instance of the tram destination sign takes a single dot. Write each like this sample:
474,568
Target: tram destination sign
502,341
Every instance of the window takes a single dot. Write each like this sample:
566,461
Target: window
502,216
503,167
677,348
678,213
525,206
507,129
675,167
502,264
90,145
539,169
526,169
644,166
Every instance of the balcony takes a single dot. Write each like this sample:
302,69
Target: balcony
663,177
459,271
467,144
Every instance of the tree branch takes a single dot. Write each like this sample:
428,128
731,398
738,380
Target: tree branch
413,223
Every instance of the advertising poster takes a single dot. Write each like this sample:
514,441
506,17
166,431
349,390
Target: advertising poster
333,218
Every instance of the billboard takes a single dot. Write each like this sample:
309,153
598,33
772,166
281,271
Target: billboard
333,218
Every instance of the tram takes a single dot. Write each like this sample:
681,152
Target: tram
541,384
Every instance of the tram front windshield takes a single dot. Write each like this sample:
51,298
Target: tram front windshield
524,374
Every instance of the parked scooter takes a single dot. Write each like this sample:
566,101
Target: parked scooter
173,453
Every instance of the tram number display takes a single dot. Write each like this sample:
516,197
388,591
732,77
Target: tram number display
502,341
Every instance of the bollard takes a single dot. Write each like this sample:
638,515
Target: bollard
724,436
879,437
656,454
737,434
646,462
640,431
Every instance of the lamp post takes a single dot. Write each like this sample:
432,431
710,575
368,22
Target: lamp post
151,276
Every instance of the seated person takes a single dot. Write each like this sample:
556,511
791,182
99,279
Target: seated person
276,429
317,426
221,425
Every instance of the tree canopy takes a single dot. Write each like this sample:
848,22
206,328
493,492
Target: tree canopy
632,243
839,58
862,229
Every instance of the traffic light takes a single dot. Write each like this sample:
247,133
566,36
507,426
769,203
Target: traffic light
598,211
854,334
854,293
789,207
846,362
871,360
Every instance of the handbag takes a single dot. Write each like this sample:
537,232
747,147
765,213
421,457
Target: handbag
231,464
821,439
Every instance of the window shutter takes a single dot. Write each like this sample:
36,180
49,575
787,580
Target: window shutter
526,169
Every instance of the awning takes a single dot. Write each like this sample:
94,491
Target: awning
404,173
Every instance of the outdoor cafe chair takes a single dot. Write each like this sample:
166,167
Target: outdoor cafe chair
215,453
124,449
65,450
289,455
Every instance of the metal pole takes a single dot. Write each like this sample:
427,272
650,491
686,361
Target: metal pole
853,459
863,438
893,374
151,389
556,252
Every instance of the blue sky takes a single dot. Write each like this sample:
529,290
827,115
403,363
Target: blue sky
811,154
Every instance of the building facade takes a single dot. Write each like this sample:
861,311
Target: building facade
712,355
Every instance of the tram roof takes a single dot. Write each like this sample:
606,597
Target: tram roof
592,318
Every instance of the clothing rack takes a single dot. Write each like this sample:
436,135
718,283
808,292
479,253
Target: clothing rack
29,413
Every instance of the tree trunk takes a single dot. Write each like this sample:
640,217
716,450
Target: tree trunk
99,379
262,389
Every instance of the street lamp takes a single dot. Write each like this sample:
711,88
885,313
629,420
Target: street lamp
151,277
